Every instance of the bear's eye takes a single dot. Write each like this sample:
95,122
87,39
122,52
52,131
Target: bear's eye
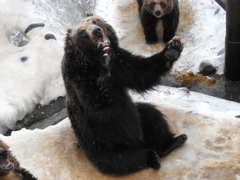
81,32
152,5
94,22
162,4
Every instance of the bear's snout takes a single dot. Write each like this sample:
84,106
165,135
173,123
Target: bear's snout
157,12
97,32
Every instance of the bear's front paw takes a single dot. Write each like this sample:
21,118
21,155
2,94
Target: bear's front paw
173,48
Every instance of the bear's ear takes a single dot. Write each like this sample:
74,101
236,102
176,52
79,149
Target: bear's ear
69,42
111,34
89,14
69,31
110,30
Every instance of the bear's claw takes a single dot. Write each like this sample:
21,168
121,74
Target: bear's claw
181,139
175,43
103,48
106,48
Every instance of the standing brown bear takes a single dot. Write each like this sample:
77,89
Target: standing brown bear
151,11
117,135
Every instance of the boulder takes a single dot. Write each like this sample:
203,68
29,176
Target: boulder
207,68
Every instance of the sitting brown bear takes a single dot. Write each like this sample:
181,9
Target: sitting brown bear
117,135
9,166
151,11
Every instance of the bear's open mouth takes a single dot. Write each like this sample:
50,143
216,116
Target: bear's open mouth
6,166
102,40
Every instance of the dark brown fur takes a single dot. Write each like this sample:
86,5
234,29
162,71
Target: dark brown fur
117,135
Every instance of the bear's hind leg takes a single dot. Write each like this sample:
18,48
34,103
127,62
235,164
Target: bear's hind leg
178,141
156,132
124,160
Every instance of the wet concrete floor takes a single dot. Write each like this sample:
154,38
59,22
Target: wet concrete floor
225,89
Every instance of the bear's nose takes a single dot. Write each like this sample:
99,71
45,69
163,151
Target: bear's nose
97,31
157,12
3,154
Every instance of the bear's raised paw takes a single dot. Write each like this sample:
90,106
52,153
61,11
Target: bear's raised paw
173,48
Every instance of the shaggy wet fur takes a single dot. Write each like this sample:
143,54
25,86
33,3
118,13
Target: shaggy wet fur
118,136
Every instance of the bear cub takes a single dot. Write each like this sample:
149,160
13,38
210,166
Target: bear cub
151,11
118,136
9,166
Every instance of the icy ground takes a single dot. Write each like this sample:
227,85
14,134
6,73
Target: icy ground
210,153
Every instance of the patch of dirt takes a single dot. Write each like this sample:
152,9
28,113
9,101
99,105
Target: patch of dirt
190,80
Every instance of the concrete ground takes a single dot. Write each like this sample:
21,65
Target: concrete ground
223,88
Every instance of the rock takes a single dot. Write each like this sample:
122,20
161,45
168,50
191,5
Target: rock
50,36
170,81
23,59
44,116
206,68
18,39
56,118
